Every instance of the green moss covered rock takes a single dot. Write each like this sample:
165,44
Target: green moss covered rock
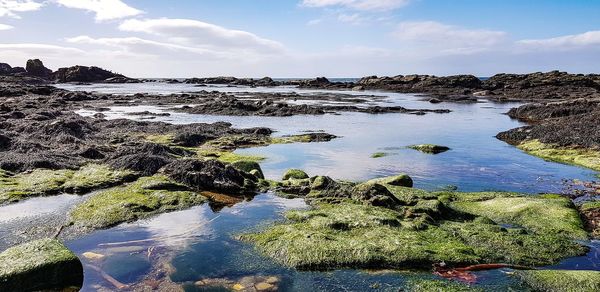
294,174
561,280
39,265
143,198
250,167
429,148
43,182
401,180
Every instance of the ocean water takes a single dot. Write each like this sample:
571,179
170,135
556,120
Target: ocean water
200,243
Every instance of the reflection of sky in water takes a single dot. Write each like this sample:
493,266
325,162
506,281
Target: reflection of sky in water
35,207
477,161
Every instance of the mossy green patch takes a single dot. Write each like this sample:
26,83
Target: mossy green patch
294,174
590,205
561,280
429,148
421,228
163,139
431,285
39,265
228,156
143,198
540,214
40,182
583,157
379,154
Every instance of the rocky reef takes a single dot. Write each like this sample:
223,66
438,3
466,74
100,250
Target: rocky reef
36,68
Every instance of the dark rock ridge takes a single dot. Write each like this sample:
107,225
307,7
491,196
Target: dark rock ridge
573,124
36,68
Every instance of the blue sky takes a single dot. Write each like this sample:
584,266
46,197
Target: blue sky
304,38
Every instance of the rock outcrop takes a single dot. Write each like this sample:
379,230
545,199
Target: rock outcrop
36,68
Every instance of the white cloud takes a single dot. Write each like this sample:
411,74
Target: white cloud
201,34
354,19
588,39
104,9
5,26
448,38
314,22
9,7
370,5
137,45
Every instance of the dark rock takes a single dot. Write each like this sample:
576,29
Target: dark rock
375,194
86,74
36,68
209,175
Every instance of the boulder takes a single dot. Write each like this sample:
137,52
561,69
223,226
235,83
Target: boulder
36,68
87,74
401,180
209,175
5,69
251,167
294,174
39,265
375,194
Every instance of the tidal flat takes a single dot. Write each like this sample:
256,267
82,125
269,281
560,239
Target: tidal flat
297,186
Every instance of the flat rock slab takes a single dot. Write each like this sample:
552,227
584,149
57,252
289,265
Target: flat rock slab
44,264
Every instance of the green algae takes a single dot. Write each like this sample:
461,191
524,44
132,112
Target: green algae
401,180
590,205
429,148
576,156
143,198
163,139
41,182
379,154
418,228
561,280
294,174
435,285
39,265
249,166
541,214
228,156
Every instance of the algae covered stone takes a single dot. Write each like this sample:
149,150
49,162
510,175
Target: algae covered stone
250,167
401,180
561,280
429,148
349,227
42,182
143,198
44,264
294,174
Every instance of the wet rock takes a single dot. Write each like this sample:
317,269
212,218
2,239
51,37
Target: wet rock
251,167
145,164
294,174
429,148
5,142
375,194
401,180
39,265
190,139
209,175
36,68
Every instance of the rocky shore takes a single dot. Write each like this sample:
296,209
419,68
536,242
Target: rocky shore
138,169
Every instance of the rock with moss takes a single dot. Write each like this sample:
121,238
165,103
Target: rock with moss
429,148
141,199
589,158
418,228
561,280
542,214
401,180
294,174
379,154
210,175
251,167
590,214
431,285
43,182
44,264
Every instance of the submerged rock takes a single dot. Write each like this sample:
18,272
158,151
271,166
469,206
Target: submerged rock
39,265
429,148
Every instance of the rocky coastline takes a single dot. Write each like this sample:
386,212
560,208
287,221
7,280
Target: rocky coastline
138,169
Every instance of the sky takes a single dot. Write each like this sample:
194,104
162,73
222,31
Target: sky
304,38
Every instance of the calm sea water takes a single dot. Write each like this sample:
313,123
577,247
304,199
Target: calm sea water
199,243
